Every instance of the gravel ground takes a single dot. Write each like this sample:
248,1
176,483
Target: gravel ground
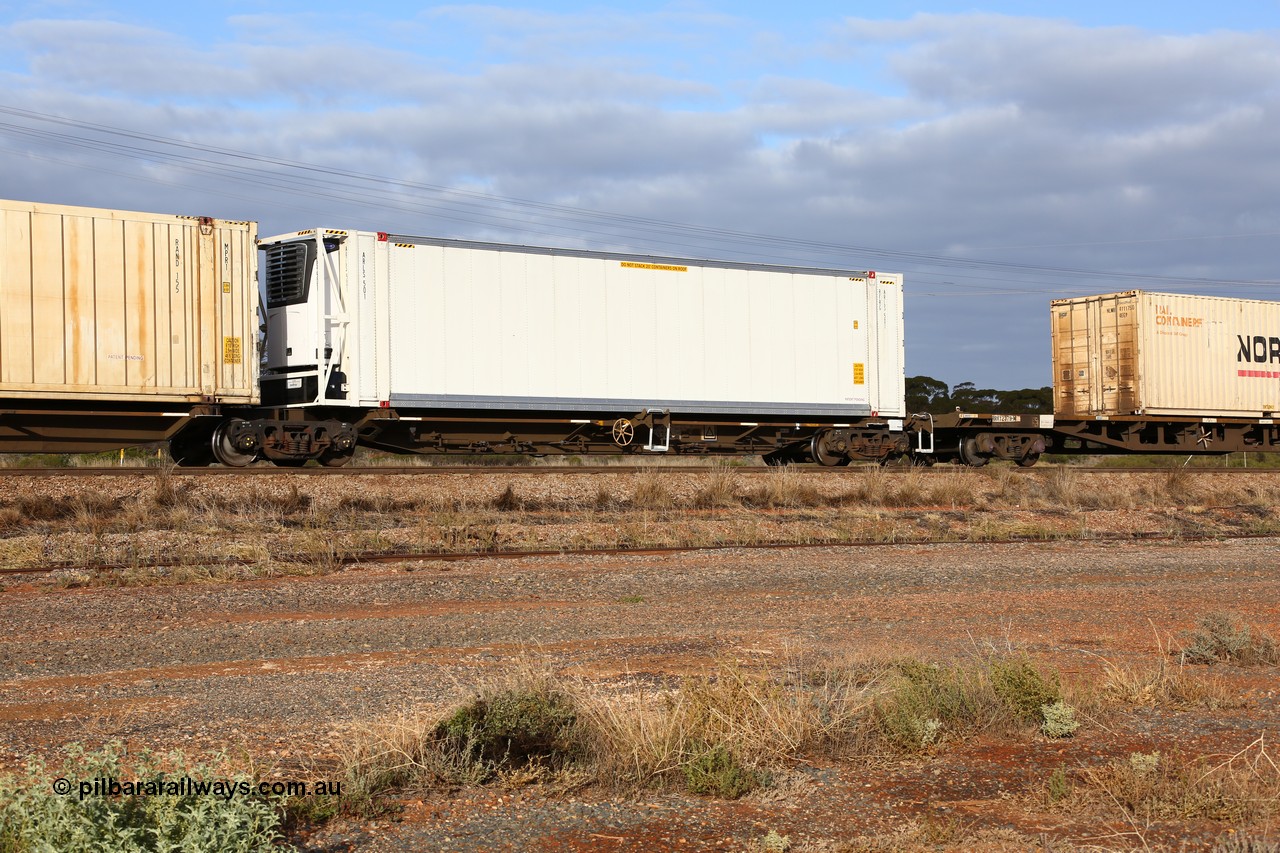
283,666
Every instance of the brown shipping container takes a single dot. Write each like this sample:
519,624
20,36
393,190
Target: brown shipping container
113,305
1165,354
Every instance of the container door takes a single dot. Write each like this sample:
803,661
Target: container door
889,397
234,289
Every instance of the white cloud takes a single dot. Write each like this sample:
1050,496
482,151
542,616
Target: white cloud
1103,148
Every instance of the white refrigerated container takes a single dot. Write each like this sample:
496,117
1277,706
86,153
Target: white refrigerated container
368,319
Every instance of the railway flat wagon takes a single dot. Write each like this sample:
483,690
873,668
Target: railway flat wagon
463,346
119,328
1142,372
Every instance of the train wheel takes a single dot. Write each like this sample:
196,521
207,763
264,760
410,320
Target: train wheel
225,451
823,455
1029,459
969,454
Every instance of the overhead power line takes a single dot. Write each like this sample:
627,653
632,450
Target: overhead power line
346,186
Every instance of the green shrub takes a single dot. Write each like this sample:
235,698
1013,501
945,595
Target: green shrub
927,702
34,818
716,771
1059,787
512,728
775,843
1023,688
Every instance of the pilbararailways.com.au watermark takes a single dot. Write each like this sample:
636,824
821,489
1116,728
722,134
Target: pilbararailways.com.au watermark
185,786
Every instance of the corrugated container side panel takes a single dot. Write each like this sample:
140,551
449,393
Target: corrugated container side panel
1059,327
563,314
811,359
478,306
518,347
203,266
417,300
47,301
1094,353
1128,347
248,312
837,353
1192,359
1107,341
80,340
858,330
112,352
193,304
181,345
165,366
681,306
1068,349
15,295
723,313
139,313
537,374
231,329
773,323
888,346
237,263
368,298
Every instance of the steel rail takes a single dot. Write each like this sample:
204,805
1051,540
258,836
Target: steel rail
546,470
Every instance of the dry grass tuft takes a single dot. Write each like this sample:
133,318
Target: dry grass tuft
651,493
762,717
1227,638
956,490
720,491
510,501
379,504
1243,788
1160,684
784,488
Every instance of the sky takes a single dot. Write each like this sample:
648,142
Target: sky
998,154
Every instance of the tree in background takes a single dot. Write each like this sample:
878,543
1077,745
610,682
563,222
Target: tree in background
926,394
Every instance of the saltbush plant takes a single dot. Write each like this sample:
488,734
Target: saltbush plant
1058,720
35,817
1226,638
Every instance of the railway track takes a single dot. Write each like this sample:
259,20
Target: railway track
342,561
545,470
